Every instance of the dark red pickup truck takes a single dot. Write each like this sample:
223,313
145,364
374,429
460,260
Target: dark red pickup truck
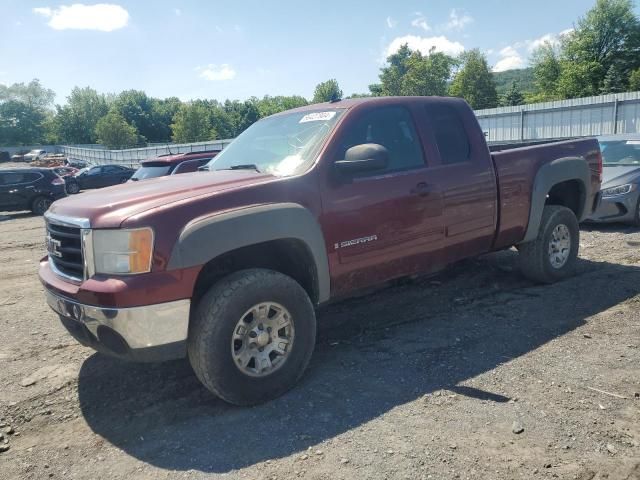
308,205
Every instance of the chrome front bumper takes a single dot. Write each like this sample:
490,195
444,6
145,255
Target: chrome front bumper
148,333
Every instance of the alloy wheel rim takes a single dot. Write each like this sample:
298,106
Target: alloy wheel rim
262,339
559,246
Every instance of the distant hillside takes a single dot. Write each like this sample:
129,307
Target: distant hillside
524,77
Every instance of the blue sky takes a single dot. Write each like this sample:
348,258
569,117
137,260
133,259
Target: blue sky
237,49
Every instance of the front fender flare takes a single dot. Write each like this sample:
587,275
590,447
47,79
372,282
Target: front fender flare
206,238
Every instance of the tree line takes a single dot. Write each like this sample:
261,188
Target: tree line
600,55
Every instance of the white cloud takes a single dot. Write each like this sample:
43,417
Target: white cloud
104,17
420,22
391,23
45,11
217,73
551,38
509,63
458,20
514,56
177,11
511,59
508,52
424,45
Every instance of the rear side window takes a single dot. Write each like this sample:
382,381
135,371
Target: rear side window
391,127
13,178
451,136
31,177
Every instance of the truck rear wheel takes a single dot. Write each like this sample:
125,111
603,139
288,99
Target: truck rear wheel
252,336
552,255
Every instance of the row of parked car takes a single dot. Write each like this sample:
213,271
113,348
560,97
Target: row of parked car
36,189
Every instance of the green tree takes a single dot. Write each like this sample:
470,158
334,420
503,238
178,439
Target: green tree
269,105
614,81
393,73
579,79
24,111
192,123
634,80
114,132
474,82
33,94
144,113
21,124
513,96
546,72
76,121
607,36
427,75
410,72
328,91
162,113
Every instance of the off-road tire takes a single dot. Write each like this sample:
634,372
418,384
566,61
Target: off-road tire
40,205
534,260
215,318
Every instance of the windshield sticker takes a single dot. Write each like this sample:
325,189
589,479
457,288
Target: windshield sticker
317,117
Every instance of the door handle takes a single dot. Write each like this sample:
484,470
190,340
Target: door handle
422,189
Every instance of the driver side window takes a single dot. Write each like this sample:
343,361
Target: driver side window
393,128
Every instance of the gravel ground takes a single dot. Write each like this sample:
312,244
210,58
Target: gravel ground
476,373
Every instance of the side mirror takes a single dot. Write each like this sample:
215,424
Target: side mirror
367,157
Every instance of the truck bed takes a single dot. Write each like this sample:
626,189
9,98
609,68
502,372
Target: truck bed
516,169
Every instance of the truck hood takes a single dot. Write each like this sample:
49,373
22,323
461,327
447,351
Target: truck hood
620,175
109,207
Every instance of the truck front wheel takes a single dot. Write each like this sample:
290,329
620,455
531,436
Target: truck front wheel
552,255
252,336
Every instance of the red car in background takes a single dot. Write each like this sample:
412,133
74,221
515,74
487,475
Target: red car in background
65,171
173,164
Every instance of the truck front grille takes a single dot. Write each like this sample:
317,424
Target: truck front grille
64,246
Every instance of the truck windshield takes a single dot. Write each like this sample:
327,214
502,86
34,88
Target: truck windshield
150,171
281,145
620,152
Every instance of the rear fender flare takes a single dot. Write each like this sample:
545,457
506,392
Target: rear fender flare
550,174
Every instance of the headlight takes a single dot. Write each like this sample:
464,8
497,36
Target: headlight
619,190
122,251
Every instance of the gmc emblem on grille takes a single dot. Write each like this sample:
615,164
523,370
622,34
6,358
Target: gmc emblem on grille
53,246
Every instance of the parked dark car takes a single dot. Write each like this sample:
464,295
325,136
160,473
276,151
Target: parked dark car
621,180
32,189
5,157
98,177
173,164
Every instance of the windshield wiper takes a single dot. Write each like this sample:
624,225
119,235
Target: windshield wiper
248,166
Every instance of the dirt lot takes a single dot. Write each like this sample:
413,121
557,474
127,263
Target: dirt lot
428,379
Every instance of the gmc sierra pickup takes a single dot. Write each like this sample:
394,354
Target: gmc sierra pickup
226,266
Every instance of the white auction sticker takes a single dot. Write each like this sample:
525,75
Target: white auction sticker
317,117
